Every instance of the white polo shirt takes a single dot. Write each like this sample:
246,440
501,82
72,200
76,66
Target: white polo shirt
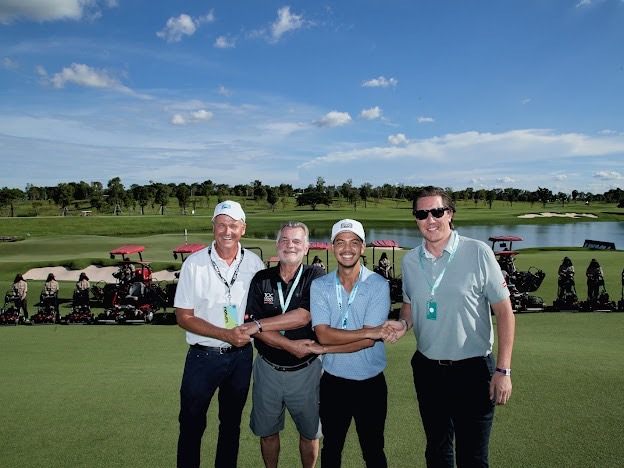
200,288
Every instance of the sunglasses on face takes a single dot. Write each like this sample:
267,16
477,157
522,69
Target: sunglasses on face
435,212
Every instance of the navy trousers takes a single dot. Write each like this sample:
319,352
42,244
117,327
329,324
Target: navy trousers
206,371
454,404
364,401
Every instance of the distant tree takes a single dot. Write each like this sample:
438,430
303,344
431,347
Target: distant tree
143,195
575,194
8,197
183,194
320,184
313,198
562,197
490,196
63,196
161,196
271,197
544,195
365,192
116,194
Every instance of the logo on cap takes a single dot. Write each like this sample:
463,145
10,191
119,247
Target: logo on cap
346,225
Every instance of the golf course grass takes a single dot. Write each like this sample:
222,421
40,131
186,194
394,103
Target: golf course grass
107,396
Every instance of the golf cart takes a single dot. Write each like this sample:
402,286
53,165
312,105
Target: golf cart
181,252
47,308
597,296
135,297
319,245
386,268
10,311
520,283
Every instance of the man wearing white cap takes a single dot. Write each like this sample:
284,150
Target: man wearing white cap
349,308
210,305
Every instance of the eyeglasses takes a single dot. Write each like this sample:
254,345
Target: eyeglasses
435,212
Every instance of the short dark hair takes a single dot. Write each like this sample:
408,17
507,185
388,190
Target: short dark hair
432,191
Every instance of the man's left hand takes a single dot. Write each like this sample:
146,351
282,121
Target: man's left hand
500,388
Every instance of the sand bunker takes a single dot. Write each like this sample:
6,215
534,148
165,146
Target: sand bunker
93,272
559,215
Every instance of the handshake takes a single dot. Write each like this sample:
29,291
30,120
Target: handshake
390,331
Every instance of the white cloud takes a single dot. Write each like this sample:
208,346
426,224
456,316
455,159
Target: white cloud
207,18
334,119
51,10
178,119
398,139
223,42
469,148
583,3
202,114
371,114
380,82
223,91
183,25
285,22
505,180
608,175
423,119
9,64
191,117
83,75
526,101
561,177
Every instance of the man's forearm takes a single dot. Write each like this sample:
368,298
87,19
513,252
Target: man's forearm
290,320
332,336
505,330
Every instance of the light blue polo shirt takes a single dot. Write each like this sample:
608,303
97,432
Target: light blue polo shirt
370,307
471,281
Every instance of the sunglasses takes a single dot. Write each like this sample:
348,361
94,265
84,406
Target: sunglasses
435,212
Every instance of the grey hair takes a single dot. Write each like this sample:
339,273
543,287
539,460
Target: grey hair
294,225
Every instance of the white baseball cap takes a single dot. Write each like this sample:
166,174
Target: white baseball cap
348,225
231,209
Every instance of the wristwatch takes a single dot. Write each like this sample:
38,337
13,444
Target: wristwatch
503,371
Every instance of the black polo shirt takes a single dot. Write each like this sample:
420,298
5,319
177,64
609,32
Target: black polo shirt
263,302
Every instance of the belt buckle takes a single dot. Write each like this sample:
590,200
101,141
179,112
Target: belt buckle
445,362
224,349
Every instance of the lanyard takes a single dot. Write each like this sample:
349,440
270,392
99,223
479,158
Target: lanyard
231,283
284,305
352,295
435,285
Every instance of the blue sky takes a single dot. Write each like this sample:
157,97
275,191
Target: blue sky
459,94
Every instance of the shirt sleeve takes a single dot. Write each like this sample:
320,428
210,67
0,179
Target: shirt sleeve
495,287
319,306
254,306
184,290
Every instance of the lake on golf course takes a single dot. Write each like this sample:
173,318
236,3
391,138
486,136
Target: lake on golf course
546,235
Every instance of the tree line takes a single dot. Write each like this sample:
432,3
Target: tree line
115,197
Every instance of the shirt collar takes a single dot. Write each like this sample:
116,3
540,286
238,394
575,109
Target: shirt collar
213,252
450,246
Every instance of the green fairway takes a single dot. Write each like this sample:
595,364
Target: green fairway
107,396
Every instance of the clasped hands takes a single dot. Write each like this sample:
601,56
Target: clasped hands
390,331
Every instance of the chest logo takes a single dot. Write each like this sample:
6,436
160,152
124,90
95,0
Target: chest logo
268,298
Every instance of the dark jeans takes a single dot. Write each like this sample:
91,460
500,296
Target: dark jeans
454,402
204,372
366,401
